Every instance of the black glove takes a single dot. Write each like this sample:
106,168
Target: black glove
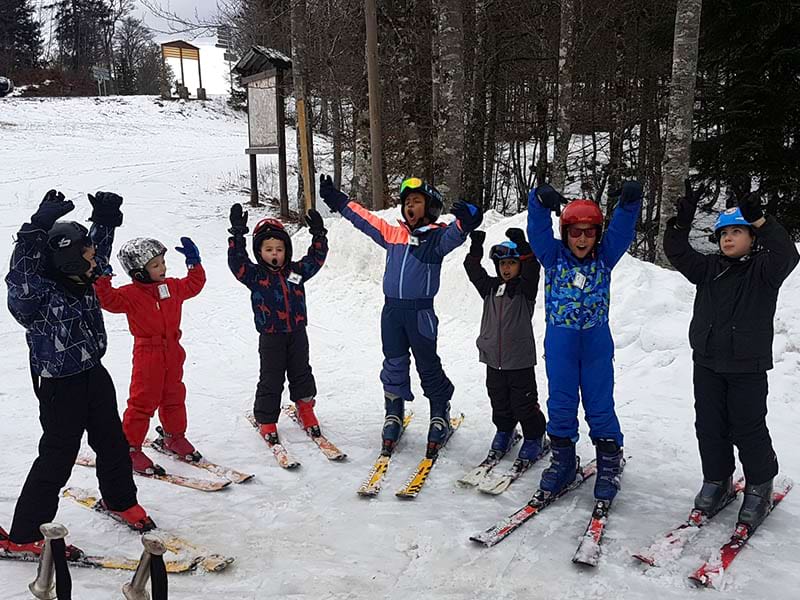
516,235
629,193
333,198
315,224
238,221
686,206
105,209
469,215
750,206
477,237
51,208
550,198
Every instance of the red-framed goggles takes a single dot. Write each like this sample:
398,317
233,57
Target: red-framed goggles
575,231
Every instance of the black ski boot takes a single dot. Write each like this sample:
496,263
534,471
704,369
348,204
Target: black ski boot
756,504
439,430
714,496
393,423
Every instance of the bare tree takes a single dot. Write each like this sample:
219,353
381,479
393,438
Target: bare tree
566,60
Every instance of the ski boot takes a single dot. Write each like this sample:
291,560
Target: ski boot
393,423
438,431
756,504
714,496
134,517
177,444
533,449
32,550
610,463
269,431
563,467
142,463
501,444
308,420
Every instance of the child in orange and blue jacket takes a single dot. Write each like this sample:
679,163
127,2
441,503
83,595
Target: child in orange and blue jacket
414,252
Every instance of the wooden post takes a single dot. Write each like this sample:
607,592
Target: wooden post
374,86
199,73
253,180
180,57
308,185
281,117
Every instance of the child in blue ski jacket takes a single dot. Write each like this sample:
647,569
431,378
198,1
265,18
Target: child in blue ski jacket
579,350
414,252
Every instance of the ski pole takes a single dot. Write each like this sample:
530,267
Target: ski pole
44,587
151,563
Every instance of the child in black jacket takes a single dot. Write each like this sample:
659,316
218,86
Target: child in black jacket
506,344
731,338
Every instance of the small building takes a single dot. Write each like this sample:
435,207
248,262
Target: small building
181,50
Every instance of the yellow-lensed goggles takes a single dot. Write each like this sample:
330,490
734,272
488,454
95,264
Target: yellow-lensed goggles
411,183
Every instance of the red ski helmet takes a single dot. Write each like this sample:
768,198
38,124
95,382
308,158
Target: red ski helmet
267,229
579,212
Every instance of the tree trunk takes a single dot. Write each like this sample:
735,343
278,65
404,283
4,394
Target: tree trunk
336,130
374,86
450,109
566,62
305,153
362,163
681,110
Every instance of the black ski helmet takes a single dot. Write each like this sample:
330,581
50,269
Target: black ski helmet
267,229
434,202
66,242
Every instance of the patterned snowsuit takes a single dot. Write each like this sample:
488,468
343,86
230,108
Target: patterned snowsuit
154,317
579,350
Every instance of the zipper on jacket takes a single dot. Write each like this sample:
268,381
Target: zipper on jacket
500,334
286,302
428,282
402,271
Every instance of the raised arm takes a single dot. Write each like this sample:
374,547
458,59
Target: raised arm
472,264
376,228
192,284
468,219
529,266
27,289
687,261
112,299
622,229
106,217
238,261
312,262
541,201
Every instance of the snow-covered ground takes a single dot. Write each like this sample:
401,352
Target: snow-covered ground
306,533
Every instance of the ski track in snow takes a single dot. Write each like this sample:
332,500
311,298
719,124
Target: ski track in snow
306,533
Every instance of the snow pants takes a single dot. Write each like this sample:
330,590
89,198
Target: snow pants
731,410
515,400
68,406
412,325
282,355
156,384
580,367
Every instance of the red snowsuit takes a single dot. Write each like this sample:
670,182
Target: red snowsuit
154,318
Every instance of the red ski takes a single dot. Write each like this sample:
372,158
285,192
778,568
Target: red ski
711,572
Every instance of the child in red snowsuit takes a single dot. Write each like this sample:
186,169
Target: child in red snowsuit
152,303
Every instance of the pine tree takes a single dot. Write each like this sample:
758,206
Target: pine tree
80,29
20,37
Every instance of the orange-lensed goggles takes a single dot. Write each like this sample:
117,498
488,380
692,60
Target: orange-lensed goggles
576,232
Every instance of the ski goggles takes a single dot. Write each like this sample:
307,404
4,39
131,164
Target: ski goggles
576,232
415,184
268,223
505,250
411,184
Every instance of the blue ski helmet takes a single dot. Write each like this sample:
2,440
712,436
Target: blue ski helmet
503,251
728,217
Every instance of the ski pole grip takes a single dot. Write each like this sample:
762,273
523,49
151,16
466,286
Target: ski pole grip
136,589
43,587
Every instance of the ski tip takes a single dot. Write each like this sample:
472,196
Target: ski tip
648,560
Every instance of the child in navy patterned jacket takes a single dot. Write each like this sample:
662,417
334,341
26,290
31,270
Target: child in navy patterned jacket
278,298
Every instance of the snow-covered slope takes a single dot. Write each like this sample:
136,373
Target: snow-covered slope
306,533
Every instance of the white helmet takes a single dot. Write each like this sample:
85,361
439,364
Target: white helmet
136,253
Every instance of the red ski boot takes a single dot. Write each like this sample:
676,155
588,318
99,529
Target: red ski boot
31,550
269,431
142,464
134,517
177,444
308,420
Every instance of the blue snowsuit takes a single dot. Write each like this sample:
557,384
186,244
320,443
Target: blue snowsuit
410,282
579,350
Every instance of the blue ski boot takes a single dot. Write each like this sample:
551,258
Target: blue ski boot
533,449
563,466
393,423
610,463
501,443
439,429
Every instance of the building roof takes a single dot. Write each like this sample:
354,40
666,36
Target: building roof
179,44
259,59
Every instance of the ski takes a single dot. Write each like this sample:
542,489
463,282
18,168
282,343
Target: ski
175,544
372,484
195,483
710,573
414,484
327,447
477,474
99,562
588,552
280,453
501,530
669,546
204,485
501,484
225,472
